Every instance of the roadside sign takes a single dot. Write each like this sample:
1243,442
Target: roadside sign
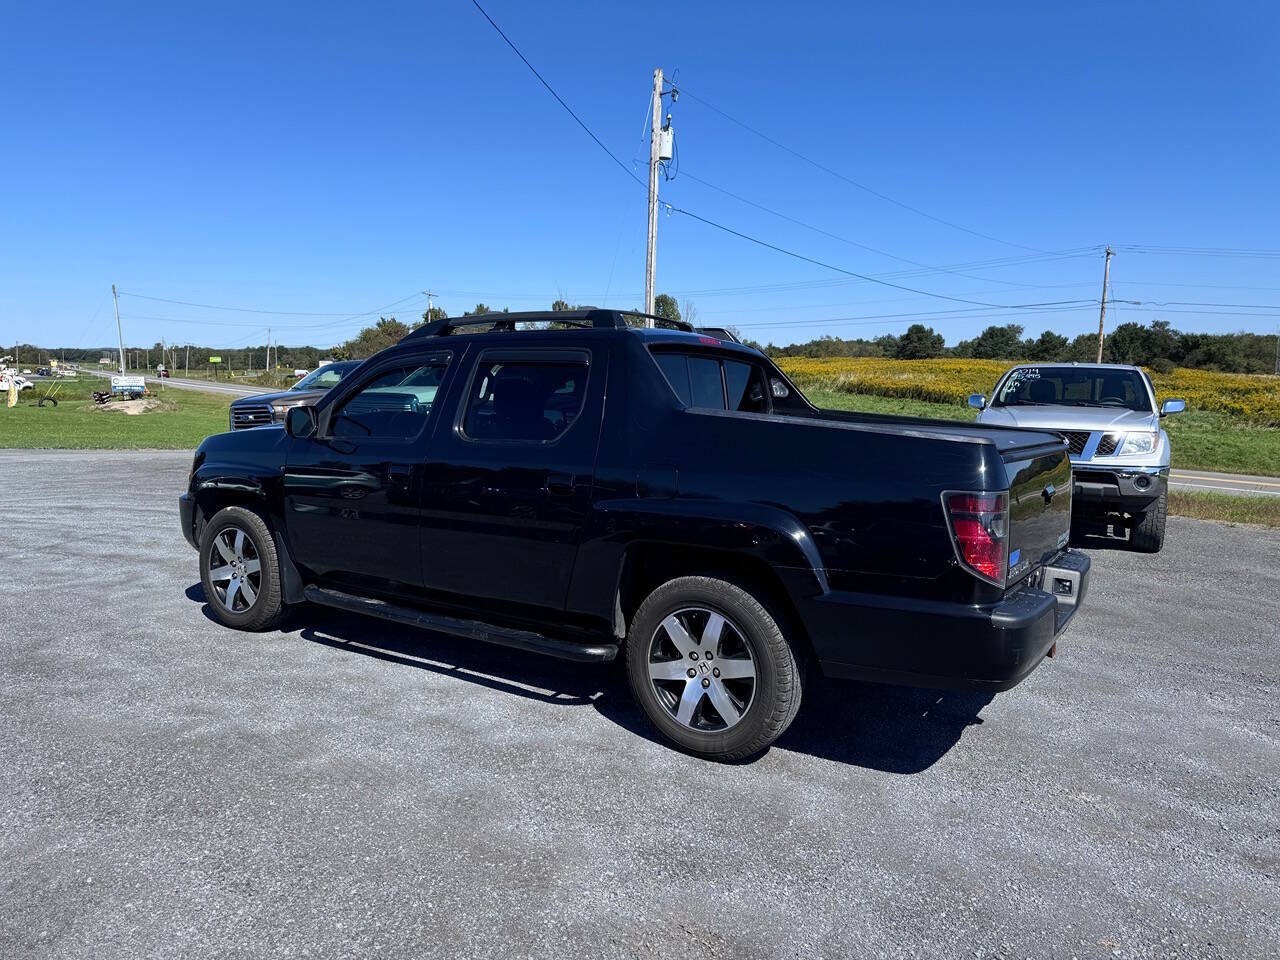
128,384
215,359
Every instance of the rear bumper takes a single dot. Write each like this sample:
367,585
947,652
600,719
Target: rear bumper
949,645
186,517
1118,488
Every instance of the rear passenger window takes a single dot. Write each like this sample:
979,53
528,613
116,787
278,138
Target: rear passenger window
675,367
704,383
709,382
744,385
525,401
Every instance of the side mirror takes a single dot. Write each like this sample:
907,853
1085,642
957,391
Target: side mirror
977,401
1172,406
300,421
778,388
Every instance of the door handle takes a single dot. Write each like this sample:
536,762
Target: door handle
400,475
559,484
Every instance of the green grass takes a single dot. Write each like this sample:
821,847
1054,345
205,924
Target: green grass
76,423
873,403
259,378
1201,440
1225,507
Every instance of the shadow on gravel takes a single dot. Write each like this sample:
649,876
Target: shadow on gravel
1096,538
891,729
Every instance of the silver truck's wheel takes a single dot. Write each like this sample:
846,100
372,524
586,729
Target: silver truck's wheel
1147,535
711,668
240,570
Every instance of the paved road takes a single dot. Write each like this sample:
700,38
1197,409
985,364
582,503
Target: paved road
209,386
1238,484
170,788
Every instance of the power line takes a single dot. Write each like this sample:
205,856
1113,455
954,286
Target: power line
1201,286
551,90
875,319
849,303
279,313
835,236
840,176
1200,303
1203,313
851,273
730,230
1197,251
206,322
793,286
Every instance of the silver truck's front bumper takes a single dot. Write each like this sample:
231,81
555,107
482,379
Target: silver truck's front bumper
1116,486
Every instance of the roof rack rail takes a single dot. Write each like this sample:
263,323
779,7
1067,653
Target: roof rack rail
660,321
720,333
591,318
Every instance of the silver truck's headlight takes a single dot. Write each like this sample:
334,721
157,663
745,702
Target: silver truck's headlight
1139,443
279,410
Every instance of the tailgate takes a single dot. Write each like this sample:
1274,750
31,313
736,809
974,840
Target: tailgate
1039,507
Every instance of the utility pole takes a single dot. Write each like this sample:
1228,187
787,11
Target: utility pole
661,147
186,367
651,258
119,336
429,296
268,351
1102,314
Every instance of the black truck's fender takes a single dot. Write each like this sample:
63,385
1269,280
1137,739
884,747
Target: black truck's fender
246,480
691,536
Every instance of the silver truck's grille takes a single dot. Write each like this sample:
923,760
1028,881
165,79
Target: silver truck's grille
1107,445
1076,440
248,415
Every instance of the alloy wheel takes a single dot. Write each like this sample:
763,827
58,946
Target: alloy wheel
235,570
702,669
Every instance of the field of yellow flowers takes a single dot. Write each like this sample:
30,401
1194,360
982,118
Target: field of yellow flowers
1243,397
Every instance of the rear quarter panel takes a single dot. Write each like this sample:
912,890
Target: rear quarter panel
868,498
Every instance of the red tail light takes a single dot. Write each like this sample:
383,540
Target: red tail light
980,528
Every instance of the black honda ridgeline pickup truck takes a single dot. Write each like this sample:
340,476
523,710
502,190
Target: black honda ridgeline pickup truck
585,489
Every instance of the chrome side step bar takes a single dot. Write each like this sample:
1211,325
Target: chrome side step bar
471,629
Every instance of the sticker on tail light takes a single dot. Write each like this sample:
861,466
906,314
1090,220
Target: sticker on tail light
978,522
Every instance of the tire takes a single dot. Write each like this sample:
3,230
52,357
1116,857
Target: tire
233,543
714,716
1148,526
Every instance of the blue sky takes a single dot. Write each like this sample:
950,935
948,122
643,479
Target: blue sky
329,159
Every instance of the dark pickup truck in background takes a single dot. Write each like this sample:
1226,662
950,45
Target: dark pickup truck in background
586,488
264,409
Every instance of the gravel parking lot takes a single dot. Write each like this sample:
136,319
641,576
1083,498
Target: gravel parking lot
171,788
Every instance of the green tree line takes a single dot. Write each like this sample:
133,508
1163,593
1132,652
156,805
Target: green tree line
1157,345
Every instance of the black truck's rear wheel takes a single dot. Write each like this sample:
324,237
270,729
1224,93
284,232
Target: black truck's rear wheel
711,668
240,570
1148,527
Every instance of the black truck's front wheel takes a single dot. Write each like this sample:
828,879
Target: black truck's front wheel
240,570
711,668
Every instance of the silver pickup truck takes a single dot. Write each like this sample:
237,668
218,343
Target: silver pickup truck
1108,415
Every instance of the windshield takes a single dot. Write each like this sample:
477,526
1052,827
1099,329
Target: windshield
323,378
1073,387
